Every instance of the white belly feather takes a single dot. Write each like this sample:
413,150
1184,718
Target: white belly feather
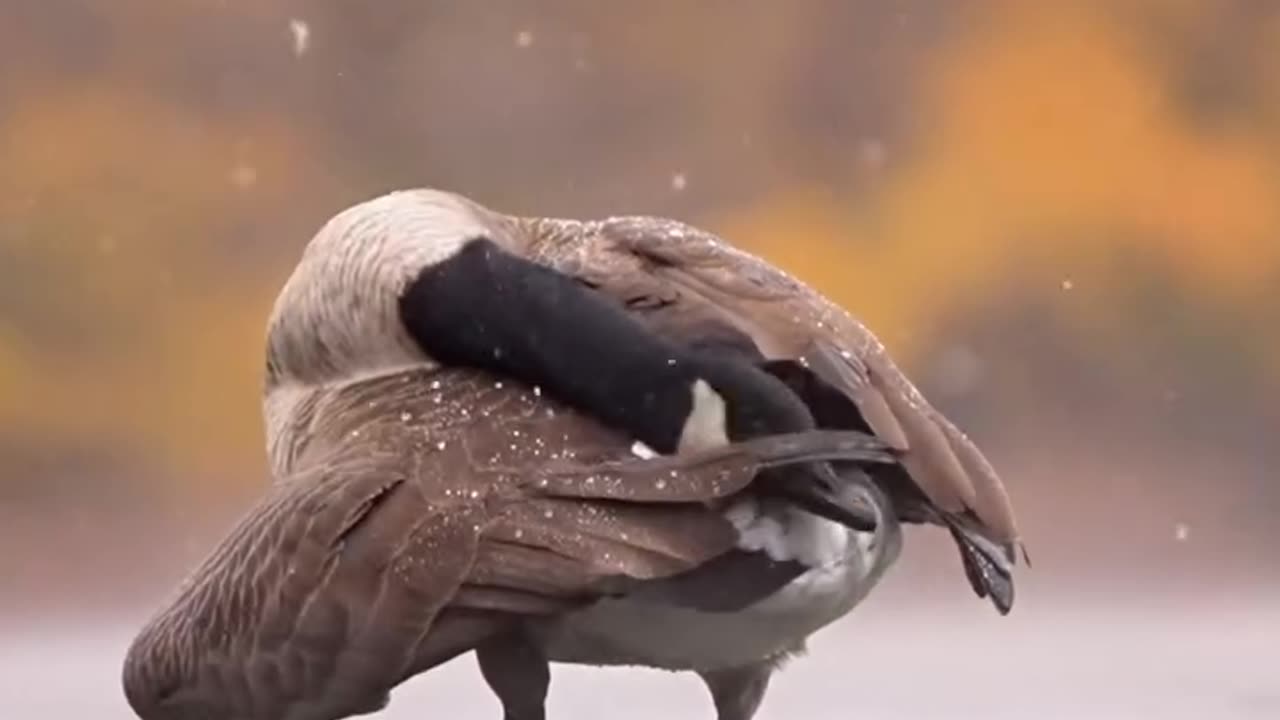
845,566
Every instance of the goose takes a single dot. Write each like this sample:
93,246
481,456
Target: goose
611,442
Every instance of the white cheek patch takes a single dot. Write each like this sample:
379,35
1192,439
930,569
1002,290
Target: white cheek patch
642,451
705,428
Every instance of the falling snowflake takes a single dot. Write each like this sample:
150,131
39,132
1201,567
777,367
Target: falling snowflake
679,182
524,39
959,370
243,176
872,154
301,33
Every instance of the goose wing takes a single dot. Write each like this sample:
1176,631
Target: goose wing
688,283
427,511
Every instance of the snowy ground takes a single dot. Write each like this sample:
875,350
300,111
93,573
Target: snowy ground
1218,661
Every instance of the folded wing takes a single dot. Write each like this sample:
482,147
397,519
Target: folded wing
455,506
687,283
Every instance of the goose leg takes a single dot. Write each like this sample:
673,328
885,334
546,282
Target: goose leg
737,692
518,674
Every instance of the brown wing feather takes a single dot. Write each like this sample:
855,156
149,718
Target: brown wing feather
611,538
318,594
699,281
426,512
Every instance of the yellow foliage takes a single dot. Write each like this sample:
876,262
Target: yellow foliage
1049,118
120,198
1050,140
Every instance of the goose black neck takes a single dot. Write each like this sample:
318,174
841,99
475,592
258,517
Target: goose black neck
488,309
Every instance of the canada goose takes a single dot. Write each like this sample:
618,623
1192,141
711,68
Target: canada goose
455,403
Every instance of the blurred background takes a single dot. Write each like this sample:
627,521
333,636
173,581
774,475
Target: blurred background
1062,218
